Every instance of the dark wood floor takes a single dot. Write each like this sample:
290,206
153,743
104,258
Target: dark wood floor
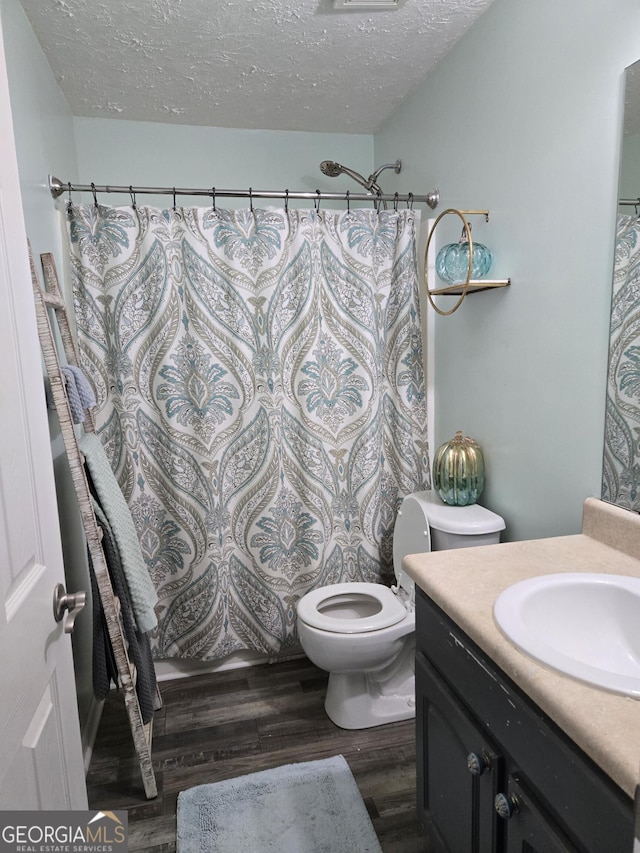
213,727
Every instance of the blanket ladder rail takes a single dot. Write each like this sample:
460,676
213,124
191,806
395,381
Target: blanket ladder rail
51,297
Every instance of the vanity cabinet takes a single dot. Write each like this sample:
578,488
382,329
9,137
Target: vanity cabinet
495,774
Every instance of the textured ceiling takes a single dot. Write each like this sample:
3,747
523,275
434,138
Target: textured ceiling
270,64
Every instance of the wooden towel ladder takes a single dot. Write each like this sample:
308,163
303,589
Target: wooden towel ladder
51,297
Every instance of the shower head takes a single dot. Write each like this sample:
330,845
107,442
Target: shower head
333,169
330,168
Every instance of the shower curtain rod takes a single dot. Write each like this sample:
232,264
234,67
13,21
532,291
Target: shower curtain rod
631,202
58,187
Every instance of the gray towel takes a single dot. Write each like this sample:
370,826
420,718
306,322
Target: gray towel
108,494
139,649
79,392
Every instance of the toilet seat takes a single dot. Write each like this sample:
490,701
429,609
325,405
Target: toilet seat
316,607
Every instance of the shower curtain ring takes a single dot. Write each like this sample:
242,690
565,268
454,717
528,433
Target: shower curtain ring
410,201
133,197
213,199
286,201
95,197
251,199
69,202
174,198
316,203
395,202
348,202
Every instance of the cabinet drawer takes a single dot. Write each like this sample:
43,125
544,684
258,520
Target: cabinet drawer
586,804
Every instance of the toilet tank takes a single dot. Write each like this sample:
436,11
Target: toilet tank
459,526
425,523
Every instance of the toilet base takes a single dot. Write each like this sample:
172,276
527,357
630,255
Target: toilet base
355,701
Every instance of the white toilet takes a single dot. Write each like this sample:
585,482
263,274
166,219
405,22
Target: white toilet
363,634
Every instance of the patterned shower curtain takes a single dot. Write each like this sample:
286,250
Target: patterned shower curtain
621,468
260,390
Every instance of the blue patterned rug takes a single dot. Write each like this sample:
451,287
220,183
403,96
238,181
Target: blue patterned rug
312,807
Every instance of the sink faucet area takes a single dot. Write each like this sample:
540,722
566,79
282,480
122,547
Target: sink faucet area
586,625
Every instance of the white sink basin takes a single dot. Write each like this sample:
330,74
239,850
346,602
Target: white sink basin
584,625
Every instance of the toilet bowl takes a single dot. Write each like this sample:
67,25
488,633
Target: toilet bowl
363,634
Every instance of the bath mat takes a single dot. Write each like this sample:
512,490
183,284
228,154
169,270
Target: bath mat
311,807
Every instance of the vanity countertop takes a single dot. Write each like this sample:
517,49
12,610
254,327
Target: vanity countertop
465,583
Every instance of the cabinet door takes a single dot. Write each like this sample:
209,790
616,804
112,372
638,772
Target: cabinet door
459,771
528,826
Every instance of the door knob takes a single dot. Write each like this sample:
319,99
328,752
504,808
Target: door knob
63,602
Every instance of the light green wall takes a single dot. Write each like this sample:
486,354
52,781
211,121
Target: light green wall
524,117
151,154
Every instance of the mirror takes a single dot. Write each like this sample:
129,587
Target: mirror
621,462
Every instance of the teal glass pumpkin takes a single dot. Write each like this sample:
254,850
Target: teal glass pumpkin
452,261
458,471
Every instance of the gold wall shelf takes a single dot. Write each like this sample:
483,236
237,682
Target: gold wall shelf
460,289
475,286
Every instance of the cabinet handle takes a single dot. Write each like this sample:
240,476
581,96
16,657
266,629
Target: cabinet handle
506,805
477,763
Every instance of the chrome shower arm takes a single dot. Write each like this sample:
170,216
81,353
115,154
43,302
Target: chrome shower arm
397,166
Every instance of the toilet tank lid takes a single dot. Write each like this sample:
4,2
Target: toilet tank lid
471,520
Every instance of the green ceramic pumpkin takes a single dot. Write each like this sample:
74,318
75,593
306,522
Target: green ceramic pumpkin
458,471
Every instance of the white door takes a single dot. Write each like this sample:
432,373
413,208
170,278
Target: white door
40,751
